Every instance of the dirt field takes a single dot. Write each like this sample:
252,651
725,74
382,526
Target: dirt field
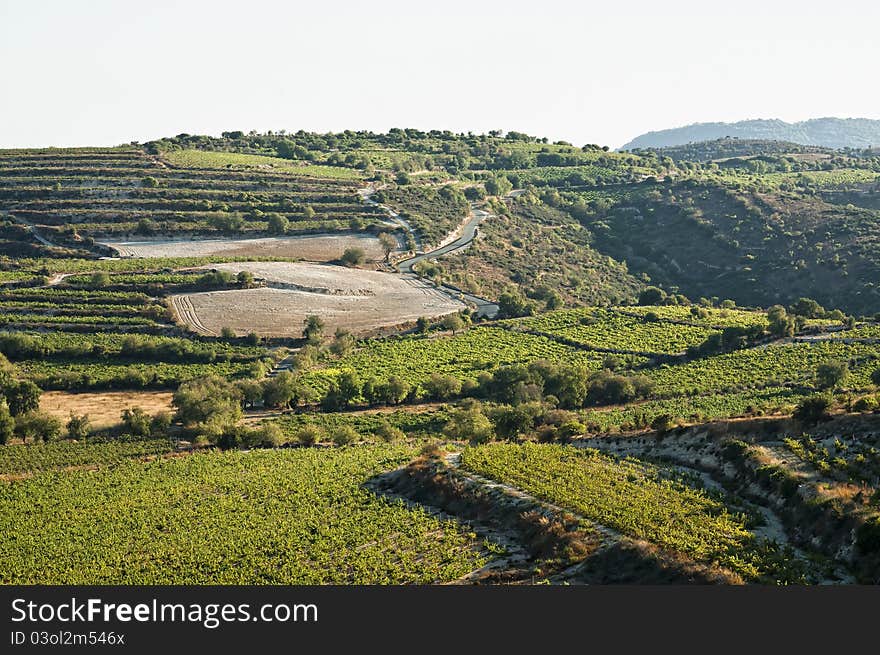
354,299
104,408
316,248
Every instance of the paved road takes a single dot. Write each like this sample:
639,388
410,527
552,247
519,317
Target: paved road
468,234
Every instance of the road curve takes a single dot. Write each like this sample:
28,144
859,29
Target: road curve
468,234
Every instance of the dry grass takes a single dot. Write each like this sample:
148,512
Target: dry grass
103,408
316,248
357,300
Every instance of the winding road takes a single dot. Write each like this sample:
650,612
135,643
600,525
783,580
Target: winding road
468,232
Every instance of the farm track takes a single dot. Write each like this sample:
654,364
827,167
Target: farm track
185,311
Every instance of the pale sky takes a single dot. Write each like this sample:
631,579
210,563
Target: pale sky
99,72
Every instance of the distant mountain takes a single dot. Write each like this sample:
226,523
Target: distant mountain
825,132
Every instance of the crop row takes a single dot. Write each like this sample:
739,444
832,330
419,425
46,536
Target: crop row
774,365
634,498
299,516
31,458
464,356
598,328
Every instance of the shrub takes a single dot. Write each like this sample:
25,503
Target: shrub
831,374
136,422
36,426
662,423
309,435
812,409
344,435
388,432
78,427
353,256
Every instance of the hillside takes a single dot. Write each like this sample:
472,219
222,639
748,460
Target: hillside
249,349
856,133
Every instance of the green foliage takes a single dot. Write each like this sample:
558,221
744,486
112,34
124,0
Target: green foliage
635,498
310,504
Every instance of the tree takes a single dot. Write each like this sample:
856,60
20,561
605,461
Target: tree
349,387
498,185
353,256
227,332
423,324
812,409
343,342
78,427
470,424
831,374
210,402
388,432
442,387
37,425
308,212
245,278
512,304
452,322
281,391
394,391
314,329
7,423
388,243
251,392
808,308
652,296
277,223
511,421
780,324
21,396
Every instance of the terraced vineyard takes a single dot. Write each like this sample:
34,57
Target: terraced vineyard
463,356
121,191
269,517
637,499
604,329
774,365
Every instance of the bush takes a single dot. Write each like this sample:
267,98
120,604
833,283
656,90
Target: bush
353,256
136,422
812,409
344,435
160,424
388,432
36,425
662,423
866,404
831,374
268,435
7,423
79,427
309,435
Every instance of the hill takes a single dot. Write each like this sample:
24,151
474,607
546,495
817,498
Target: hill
826,132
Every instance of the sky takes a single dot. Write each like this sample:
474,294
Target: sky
97,72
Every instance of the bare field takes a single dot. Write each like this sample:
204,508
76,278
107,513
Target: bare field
317,247
104,408
356,300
